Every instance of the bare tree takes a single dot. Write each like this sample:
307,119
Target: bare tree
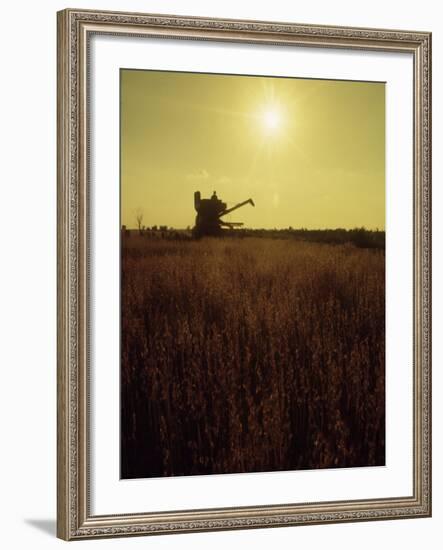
139,218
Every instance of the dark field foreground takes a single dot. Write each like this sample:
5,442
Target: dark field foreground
246,355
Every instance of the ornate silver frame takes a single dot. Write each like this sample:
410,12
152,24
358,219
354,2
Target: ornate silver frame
74,519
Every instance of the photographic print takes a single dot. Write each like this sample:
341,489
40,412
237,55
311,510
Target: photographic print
243,276
252,274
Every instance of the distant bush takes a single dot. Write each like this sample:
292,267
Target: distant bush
359,237
362,238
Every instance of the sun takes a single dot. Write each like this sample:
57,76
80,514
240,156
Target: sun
271,119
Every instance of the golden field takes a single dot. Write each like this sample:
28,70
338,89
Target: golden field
253,354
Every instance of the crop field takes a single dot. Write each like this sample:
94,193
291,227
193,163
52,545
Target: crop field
252,354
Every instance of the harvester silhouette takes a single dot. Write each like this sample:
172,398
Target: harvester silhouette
208,222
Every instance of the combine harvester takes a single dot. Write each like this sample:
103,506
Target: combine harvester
208,222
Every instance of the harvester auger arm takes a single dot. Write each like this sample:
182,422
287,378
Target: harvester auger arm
239,205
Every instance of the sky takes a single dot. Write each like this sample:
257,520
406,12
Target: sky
310,153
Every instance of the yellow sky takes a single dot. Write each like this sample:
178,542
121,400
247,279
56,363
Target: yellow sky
310,153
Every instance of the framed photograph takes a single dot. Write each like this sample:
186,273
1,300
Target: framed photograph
244,248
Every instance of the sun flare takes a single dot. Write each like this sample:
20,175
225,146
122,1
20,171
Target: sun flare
271,119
